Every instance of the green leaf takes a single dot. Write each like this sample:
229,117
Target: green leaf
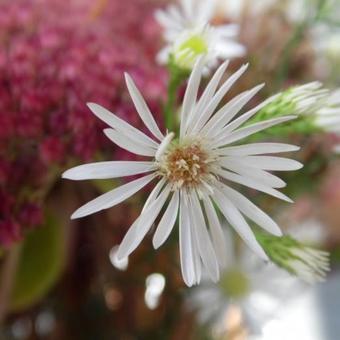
40,265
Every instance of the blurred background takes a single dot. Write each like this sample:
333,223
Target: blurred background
60,279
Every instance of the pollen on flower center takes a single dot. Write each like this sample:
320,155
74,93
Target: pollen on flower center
188,165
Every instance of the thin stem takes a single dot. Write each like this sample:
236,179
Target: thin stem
294,41
177,75
9,268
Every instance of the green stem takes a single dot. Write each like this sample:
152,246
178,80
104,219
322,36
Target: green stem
176,77
294,41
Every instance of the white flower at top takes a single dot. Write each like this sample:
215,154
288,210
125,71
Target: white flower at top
194,172
188,34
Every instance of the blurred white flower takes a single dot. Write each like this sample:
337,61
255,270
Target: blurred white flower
188,34
235,8
257,288
194,173
320,105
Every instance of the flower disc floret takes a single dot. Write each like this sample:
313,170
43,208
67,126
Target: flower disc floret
187,164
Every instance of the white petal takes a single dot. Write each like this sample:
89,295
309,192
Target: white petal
248,182
230,49
122,126
128,144
237,221
228,30
103,170
112,197
142,225
165,20
210,108
243,118
191,93
204,243
208,93
196,256
267,162
252,211
154,194
259,175
142,109
251,129
257,149
167,222
217,235
229,111
185,244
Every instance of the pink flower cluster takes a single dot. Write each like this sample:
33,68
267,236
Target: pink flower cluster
56,55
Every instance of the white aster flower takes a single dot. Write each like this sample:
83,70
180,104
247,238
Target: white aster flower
328,116
258,290
188,34
318,104
193,172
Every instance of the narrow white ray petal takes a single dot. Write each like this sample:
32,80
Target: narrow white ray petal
191,93
205,10
230,49
164,145
111,169
229,111
166,21
251,129
154,193
128,144
167,222
122,126
250,183
204,243
259,175
228,30
217,235
208,93
252,211
185,243
162,56
188,8
247,115
237,221
142,108
210,108
113,197
271,163
196,256
257,149
175,13
142,225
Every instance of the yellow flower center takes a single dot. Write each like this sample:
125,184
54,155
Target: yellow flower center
189,50
186,164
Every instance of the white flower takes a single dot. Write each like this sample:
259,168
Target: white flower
188,34
328,116
299,258
319,104
258,290
193,173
